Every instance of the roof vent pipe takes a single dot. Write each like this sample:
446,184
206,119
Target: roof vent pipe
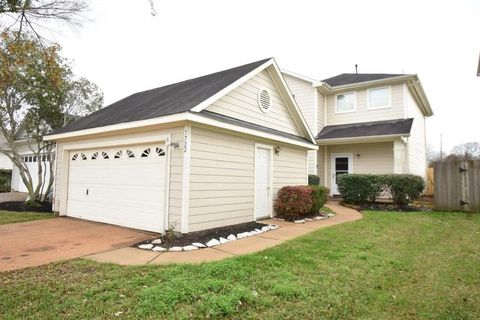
356,68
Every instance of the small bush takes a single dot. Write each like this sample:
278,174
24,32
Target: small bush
5,179
319,196
313,180
293,201
364,188
404,188
360,188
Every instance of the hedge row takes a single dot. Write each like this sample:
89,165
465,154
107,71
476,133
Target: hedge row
364,188
5,179
294,202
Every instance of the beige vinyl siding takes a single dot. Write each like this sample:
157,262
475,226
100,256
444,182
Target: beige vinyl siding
362,114
374,158
306,98
241,103
176,169
221,180
321,101
222,177
417,154
289,168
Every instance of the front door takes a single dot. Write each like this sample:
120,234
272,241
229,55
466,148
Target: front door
262,182
341,164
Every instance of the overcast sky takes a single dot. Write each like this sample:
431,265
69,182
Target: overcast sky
124,49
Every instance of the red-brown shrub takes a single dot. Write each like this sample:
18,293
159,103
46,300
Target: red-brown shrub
294,201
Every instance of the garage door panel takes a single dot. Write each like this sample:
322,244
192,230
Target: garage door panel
127,191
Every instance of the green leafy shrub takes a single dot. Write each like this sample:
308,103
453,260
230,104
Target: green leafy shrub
319,196
365,188
294,201
5,179
360,188
404,188
313,180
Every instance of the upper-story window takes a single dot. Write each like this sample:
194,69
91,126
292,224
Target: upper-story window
345,102
378,98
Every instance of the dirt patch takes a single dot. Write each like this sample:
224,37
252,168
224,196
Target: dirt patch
181,240
20,206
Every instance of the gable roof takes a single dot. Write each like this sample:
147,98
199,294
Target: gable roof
367,129
351,78
186,101
167,100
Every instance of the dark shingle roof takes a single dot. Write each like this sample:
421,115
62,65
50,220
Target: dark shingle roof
366,129
171,99
350,78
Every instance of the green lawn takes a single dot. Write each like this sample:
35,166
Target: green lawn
385,266
7,217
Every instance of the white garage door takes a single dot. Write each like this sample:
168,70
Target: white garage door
123,186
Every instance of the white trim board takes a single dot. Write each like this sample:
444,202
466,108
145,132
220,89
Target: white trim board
186,178
186,116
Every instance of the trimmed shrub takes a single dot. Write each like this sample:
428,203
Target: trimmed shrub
5,179
313,180
364,188
319,196
293,201
404,188
360,188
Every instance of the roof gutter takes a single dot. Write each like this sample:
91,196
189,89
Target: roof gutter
186,116
361,139
327,88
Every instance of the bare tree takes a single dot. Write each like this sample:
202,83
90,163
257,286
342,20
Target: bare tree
33,15
433,155
467,151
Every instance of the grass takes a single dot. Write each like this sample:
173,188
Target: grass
7,217
385,266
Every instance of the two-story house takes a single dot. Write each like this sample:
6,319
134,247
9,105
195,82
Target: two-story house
364,123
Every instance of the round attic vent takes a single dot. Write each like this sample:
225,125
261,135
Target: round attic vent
264,100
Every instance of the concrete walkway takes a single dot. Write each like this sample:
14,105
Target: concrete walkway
287,231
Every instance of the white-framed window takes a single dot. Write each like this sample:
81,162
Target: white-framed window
346,102
379,98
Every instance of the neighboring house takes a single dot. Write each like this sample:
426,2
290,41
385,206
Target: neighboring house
203,153
364,123
31,161
5,162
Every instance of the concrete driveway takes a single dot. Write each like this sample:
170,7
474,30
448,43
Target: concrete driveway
35,243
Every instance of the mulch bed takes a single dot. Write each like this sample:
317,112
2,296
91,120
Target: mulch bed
20,206
293,218
382,206
204,236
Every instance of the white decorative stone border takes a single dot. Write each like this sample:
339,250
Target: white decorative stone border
319,217
155,244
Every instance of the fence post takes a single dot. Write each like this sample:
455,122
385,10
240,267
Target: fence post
465,199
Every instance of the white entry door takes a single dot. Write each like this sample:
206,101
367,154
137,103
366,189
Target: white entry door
341,164
124,186
263,181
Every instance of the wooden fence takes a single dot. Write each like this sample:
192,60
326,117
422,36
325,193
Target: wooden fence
430,182
457,185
